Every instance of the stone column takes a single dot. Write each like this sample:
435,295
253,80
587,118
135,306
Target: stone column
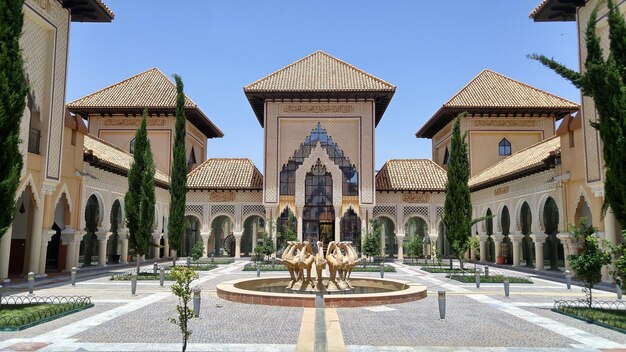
400,239
166,246
5,253
611,235
238,244
72,239
103,237
337,227
45,238
156,237
123,233
299,226
473,253
483,237
539,239
205,243
383,234
497,240
434,237
255,233
565,239
516,239
36,234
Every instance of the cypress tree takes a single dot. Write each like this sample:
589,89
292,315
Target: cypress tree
139,201
178,175
457,213
604,80
13,89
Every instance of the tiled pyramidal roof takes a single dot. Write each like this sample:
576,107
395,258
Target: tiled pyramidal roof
225,174
493,90
533,159
411,175
490,91
106,155
149,89
319,72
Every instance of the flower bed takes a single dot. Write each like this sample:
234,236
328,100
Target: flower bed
150,275
220,261
22,312
491,279
608,314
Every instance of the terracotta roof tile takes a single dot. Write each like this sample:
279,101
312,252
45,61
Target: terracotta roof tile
319,72
114,156
490,91
520,163
150,89
226,174
411,175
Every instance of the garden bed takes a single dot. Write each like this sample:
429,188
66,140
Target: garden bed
220,261
264,267
446,270
491,279
610,315
150,275
21,312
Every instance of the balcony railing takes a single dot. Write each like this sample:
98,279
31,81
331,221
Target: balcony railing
34,137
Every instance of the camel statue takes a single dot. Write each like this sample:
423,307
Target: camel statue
352,260
342,263
305,261
333,265
290,261
320,265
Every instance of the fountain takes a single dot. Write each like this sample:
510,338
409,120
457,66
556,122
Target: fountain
340,288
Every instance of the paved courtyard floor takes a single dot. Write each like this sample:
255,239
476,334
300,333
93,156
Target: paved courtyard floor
477,319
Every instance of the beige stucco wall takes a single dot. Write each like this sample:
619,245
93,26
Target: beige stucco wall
351,126
484,134
120,130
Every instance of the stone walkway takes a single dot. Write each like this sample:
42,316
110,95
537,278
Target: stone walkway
476,320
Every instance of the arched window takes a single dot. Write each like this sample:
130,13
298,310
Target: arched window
318,134
191,161
446,155
504,147
132,146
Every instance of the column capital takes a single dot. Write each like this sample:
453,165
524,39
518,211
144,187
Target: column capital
123,233
47,187
539,237
205,235
483,236
237,234
71,236
564,236
516,237
47,236
156,235
100,230
497,237
103,236
400,236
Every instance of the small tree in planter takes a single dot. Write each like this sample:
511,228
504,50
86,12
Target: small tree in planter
182,289
588,263
414,247
371,243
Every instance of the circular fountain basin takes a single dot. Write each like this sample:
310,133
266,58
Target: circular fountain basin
367,292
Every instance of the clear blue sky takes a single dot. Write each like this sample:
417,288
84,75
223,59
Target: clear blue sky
428,49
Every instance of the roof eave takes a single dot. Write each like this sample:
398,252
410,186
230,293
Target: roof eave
88,11
257,99
557,11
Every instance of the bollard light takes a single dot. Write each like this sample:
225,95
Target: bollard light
442,304
212,258
0,296
506,287
486,271
450,263
133,283
618,288
196,302
568,279
319,300
155,268
188,261
73,276
477,276
31,282
273,262
161,276
258,270
382,270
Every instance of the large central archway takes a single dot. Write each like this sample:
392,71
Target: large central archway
318,215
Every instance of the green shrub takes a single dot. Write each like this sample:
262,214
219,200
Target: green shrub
196,250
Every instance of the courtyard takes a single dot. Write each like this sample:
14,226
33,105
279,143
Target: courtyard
477,319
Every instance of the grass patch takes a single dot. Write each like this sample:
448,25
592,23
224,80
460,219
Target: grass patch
491,279
220,261
427,264
265,267
372,269
21,316
446,270
612,318
149,275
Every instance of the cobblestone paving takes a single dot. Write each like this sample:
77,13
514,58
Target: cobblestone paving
467,323
220,322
